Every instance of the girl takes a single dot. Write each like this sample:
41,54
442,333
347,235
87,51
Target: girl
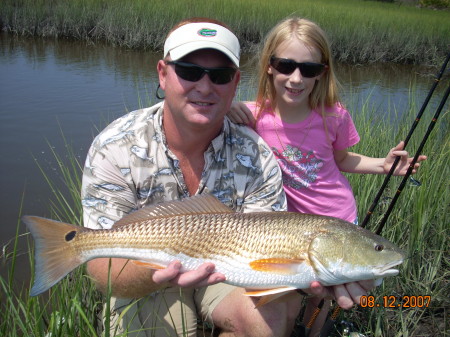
298,113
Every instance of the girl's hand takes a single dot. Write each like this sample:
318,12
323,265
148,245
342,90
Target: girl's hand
404,162
240,114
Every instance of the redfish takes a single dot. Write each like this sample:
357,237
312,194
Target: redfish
268,252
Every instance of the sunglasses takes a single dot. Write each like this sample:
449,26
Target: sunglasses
288,66
193,73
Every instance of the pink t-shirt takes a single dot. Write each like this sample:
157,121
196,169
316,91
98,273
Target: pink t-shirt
311,178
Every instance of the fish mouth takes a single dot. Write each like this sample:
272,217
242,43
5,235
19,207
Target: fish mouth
387,269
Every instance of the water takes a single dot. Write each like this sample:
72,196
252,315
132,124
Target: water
54,90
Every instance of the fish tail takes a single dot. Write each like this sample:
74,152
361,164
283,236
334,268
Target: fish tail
55,254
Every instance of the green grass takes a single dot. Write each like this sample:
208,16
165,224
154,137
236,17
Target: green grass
360,31
71,308
418,224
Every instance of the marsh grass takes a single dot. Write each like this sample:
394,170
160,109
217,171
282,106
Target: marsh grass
360,31
69,309
418,224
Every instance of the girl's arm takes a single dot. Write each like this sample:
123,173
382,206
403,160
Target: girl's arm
240,114
357,163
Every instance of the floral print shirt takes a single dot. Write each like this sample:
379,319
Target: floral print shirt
129,165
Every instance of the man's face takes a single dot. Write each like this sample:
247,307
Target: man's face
202,103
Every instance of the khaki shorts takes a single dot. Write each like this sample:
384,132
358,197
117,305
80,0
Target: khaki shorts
170,312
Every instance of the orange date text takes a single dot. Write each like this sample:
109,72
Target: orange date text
392,301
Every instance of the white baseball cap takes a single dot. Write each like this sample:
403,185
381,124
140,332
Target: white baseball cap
201,35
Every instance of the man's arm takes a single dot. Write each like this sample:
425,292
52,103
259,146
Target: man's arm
127,280
131,281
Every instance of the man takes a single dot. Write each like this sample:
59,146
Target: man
181,147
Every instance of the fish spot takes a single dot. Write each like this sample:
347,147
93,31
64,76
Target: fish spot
379,248
70,235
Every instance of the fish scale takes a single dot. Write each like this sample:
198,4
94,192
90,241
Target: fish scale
267,250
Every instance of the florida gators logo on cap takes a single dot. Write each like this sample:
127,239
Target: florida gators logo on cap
207,32
201,35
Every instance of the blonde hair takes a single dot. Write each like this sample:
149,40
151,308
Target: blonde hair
325,92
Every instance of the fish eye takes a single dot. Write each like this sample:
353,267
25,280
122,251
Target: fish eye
379,248
69,236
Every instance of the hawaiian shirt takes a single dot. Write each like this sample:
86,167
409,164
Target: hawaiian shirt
129,165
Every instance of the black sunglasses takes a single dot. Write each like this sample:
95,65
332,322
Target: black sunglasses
288,66
193,73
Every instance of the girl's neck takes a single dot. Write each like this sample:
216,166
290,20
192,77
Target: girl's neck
292,114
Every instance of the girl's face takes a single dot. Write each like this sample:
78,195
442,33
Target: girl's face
293,90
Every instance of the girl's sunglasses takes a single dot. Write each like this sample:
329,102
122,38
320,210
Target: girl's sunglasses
193,73
288,66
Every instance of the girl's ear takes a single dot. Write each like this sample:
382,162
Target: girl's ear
320,76
323,73
269,70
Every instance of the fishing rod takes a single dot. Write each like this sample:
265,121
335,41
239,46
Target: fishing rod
330,322
413,127
411,166
314,317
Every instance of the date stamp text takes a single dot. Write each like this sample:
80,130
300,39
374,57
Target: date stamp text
392,301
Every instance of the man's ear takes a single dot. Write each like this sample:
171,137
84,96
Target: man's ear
236,81
161,67
237,77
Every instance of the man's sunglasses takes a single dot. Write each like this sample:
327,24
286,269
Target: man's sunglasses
288,66
193,73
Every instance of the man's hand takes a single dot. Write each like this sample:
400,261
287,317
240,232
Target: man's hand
346,295
201,277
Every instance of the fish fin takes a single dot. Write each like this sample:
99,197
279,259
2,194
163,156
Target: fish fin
198,204
267,299
54,254
276,265
266,292
148,264
268,295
